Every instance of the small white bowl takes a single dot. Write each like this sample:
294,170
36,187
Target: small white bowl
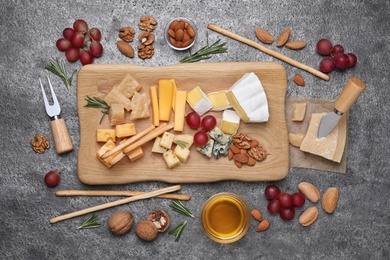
167,38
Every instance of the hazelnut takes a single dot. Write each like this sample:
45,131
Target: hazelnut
120,222
146,230
160,219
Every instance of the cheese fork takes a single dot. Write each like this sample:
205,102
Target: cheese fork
60,133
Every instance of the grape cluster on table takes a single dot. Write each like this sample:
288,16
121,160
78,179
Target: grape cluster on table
338,59
80,43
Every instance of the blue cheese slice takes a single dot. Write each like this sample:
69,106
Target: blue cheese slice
248,99
219,136
206,149
221,149
230,122
199,101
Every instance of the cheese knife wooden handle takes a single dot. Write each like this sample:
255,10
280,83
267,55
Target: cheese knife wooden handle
351,92
60,133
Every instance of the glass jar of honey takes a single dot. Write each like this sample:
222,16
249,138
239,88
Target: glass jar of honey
225,217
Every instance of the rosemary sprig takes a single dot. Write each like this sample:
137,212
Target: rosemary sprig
205,52
96,102
91,222
178,230
58,68
181,143
179,207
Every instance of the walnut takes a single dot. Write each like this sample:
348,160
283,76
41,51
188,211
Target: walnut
258,152
126,34
145,51
147,23
146,230
160,219
121,222
146,38
40,143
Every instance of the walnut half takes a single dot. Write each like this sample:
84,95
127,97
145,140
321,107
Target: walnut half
147,23
126,34
40,143
160,219
145,51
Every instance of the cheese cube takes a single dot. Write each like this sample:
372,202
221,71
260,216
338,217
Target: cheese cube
157,147
199,101
117,114
103,135
219,136
154,100
298,111
219,100
182,153
167,140
125,130
184,140
171,159
165,98
180,110
207,149
139,106
135,154
129,86
248,98
230,122
111,160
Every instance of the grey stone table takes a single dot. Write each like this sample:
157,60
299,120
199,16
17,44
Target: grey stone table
359,229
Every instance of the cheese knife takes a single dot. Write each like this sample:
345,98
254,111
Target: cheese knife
351,92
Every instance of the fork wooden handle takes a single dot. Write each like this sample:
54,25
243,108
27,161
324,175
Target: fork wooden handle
60,133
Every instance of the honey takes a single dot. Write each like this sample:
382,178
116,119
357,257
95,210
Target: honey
225,217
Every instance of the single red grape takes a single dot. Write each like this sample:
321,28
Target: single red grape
285,200
298,199
80,26
287,213
95,34
341,61
273,206
67,33
72,54
201,138
337,49
272,192
352,60
327,65
193,120
86,57
52,178
208,123
63,44
77,40
324,47
96,49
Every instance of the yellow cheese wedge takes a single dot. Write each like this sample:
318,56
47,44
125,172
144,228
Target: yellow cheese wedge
230,122
199,101
165,97
117,114
180,110
125,130
248,98
219,100
103,135
129,86
154,100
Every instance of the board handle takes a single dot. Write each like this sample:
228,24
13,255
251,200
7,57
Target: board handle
350,93
62,141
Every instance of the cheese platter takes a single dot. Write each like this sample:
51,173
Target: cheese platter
211,77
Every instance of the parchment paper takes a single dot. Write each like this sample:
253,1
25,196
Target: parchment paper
300,159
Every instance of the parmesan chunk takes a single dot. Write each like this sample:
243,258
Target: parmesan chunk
298,111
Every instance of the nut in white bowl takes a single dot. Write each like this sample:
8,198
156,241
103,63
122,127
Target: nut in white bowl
180,33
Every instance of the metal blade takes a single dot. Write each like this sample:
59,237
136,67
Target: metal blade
328,122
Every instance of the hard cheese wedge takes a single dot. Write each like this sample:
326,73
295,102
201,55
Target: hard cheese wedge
199,101
330,147
248,98
129,86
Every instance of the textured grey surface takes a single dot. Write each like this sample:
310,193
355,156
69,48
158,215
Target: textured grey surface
359,229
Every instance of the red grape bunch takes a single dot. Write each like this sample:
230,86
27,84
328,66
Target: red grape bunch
207,123
282,202
338,59
81,43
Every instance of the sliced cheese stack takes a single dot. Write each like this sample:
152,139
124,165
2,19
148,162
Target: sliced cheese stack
199,101
248,99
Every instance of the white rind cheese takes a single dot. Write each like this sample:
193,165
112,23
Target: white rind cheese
199,101
230,122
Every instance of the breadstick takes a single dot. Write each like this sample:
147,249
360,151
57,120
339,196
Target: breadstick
124,193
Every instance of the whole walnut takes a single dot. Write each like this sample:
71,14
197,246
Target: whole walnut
146,230
120,222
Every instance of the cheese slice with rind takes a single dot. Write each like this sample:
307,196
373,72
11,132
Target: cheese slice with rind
199,101
248,99
219,100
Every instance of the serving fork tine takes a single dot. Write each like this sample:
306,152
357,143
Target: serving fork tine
52,110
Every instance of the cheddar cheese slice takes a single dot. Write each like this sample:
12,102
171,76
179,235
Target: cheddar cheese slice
154,100
165,97
180,109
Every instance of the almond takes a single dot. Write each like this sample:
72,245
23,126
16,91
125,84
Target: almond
283,37
187,43
330,200
238,164
171,33
241,158
230,154
310,191
125,48
190,30
263,225
256,214
264,36
235,149
179,34
254,143
308,216
295,45
251,161
299,80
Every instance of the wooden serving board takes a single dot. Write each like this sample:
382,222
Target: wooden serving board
210,77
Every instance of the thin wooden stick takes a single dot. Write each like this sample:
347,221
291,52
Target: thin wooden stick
158,131
121,193
128,142
115,203
269,51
